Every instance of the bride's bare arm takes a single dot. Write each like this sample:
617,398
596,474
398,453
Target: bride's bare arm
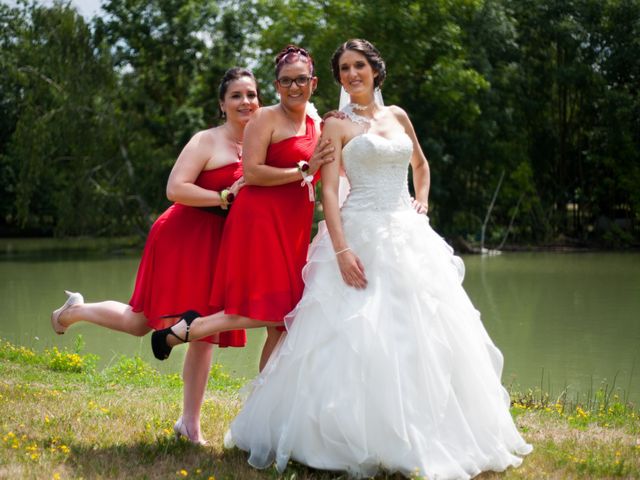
419,164
351,267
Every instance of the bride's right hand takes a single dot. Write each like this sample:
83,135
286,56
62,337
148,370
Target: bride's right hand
321,155
352,270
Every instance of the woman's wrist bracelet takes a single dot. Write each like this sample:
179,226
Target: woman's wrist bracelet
227,197
343,250
303,167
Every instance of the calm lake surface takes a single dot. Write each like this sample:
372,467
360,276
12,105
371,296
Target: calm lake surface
561,320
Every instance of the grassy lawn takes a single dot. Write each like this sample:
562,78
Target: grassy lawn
61,418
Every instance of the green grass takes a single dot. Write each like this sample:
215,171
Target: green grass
61,418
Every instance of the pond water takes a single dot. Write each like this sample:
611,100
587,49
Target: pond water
562,321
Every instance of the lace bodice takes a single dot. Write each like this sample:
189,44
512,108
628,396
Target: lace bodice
377,170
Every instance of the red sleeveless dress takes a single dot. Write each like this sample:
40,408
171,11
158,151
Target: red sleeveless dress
266,239
179,258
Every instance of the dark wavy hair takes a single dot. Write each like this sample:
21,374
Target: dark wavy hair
293,53
235,73
365,48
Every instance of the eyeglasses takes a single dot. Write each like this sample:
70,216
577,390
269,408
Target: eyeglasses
301,81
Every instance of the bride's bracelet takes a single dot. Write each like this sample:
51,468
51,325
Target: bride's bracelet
343,250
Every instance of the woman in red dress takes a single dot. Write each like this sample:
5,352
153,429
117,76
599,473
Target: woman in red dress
177,266
259,279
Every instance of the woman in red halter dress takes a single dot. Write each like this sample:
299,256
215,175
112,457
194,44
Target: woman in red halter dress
177,266
259,279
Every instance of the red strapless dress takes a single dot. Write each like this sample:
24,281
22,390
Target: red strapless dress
266,239
179,258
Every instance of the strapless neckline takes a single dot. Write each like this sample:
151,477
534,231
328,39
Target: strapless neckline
375,135
234,164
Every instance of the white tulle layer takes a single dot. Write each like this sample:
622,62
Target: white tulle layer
400,376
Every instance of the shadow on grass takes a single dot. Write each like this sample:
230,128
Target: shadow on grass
171,458
165,458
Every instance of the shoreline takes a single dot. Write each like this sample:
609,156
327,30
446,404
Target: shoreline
37,247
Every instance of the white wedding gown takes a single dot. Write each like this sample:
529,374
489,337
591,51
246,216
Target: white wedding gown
400,376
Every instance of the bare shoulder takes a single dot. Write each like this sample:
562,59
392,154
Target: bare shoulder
262,121
205,138
399,113
402,118
264,114
337,129
334,125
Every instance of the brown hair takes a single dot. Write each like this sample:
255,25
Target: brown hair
293,53
366,49
235,73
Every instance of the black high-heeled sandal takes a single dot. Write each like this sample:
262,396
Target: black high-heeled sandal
161,350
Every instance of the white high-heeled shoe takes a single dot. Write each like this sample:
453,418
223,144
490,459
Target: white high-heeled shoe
73,298
180,429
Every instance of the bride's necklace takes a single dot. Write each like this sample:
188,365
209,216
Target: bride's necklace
354,117
360,108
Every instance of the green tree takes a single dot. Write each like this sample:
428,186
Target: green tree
57,134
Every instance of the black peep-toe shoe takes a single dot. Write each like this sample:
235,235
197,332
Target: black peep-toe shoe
161,350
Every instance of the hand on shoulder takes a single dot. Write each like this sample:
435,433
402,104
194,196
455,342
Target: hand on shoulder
334,123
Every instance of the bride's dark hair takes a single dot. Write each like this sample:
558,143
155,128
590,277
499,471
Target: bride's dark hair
365,48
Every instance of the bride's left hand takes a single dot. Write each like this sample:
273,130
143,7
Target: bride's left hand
419,206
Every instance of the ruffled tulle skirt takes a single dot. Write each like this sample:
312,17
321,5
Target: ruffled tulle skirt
400,376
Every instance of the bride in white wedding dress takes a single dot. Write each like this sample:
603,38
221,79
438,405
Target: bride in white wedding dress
386,364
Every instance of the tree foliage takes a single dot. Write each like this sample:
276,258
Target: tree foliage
542,94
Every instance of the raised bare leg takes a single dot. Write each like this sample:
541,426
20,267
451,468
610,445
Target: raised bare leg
109,314
218,322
